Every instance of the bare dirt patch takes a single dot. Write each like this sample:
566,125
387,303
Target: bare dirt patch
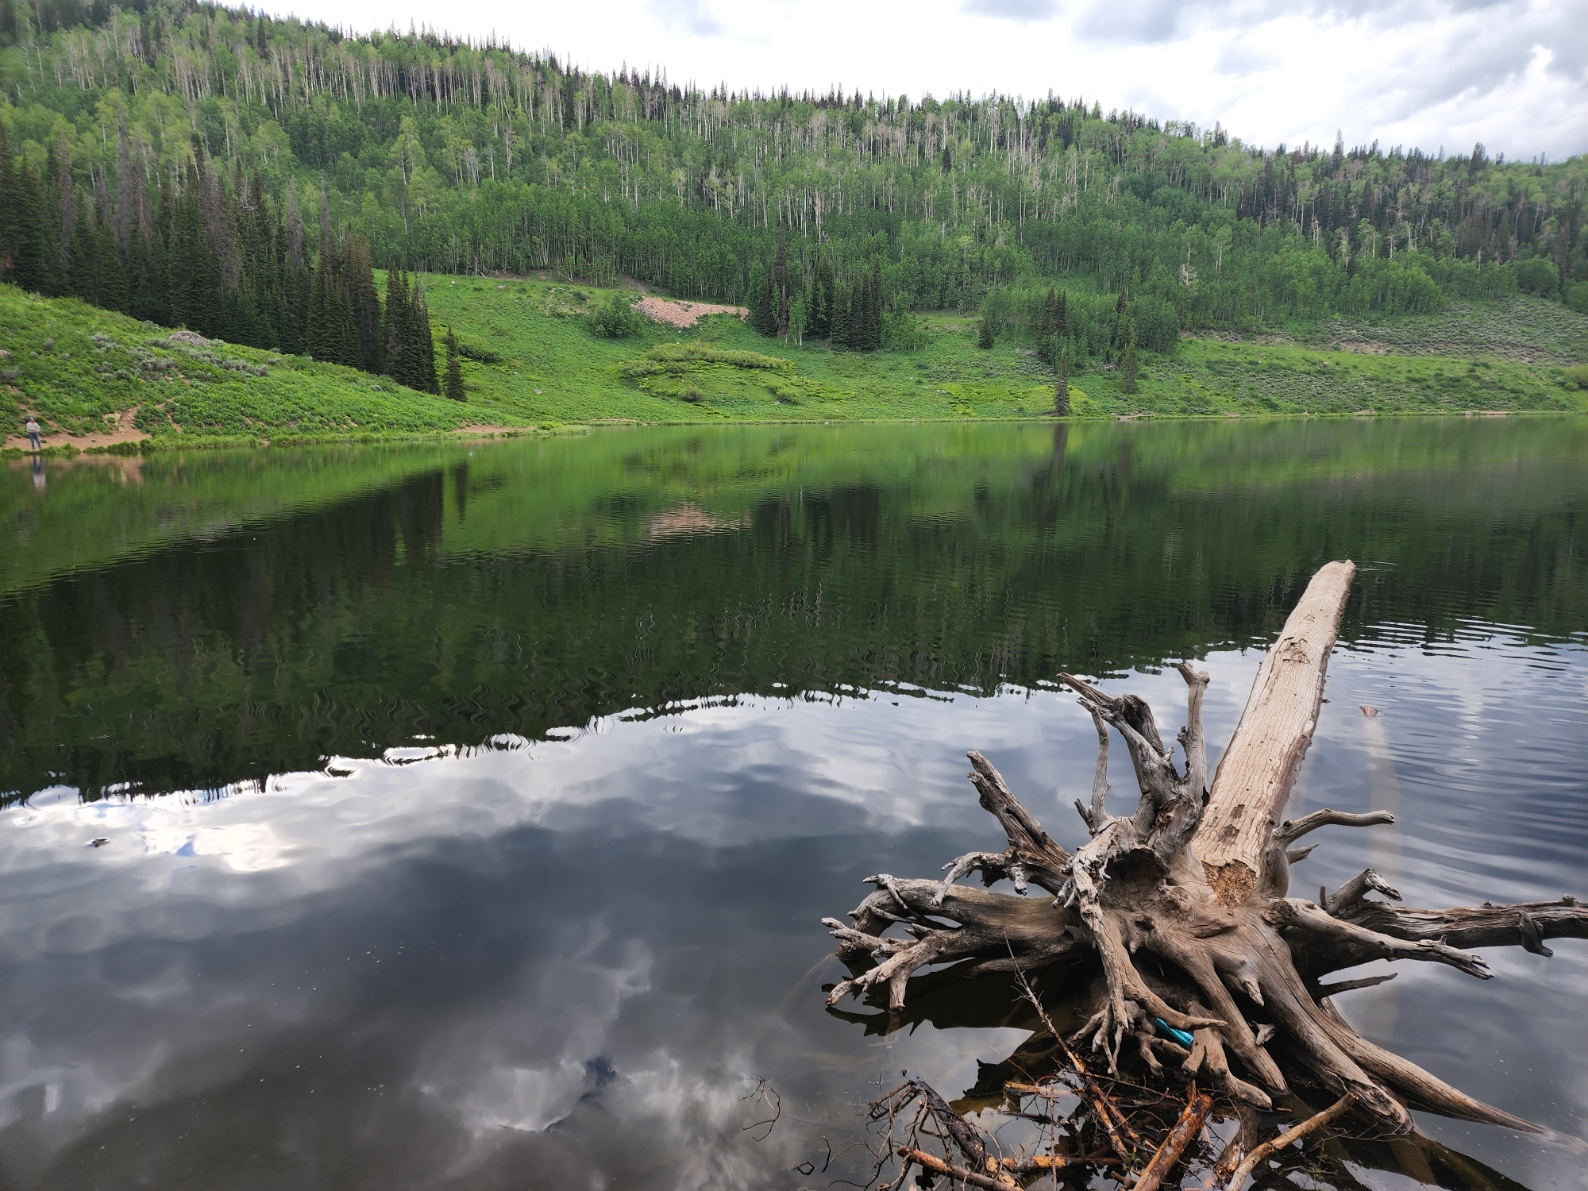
683,314
118,429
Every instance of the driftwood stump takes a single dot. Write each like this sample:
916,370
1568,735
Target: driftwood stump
1185,903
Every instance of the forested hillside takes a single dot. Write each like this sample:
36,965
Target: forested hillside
197,164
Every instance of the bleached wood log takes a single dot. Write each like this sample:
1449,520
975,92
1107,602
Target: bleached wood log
1259,768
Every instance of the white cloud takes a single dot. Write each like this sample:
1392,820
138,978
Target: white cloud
1512,73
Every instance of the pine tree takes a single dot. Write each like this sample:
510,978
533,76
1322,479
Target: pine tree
1119,328
819,324
124,193
454,387
333,330
192,279
423,345
395,325
1064,316
66,192
295,279
841,321
1127,363
984,333
762,302
873,324
780,285
1048,327
11,215
1061,384
366,305
147,265
111,275
82,274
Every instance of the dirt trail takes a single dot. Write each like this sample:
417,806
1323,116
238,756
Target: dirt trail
125,431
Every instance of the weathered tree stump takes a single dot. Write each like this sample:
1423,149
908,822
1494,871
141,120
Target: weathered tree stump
1185,905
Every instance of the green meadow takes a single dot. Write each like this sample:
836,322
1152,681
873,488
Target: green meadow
531,359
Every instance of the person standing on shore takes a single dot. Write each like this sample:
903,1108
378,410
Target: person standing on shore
34,442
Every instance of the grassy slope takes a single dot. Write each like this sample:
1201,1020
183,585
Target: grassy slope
1510,358
98,364
552,370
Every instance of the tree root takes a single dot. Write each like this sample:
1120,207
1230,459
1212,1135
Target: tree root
1185,906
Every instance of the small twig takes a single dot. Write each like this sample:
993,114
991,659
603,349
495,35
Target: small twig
767,1094
1183,1134
1295,1133
1113,1120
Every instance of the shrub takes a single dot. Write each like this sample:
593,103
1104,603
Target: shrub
480,355
1578,376
1157,324
616,318
903,332
1537,275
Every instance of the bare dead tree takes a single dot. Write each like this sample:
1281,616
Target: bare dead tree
1185,902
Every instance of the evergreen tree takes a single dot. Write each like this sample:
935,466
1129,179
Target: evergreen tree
124,193
1061,384
296,284
110,284
762,302
780,284
147,265
66,208
1064,316
395,323
841,321
423,345
1127,363
873,323
1048,327
333,330
83,269
819,323
11,216
984,333
366,305
454,387
1119,328
192,277
34,266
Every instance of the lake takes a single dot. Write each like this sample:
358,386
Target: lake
463,816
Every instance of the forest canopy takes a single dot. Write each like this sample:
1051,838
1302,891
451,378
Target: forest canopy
143,124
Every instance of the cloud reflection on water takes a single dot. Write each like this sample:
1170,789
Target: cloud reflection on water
573,956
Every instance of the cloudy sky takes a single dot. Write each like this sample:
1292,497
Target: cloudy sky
1511,73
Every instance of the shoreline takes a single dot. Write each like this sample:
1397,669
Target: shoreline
162,444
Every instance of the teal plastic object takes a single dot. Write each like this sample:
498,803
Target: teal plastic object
1179,1036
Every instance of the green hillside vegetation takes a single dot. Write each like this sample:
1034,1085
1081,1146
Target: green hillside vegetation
529,358
546,367
82,370
271,183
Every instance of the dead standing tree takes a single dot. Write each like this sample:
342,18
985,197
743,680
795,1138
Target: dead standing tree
1185,902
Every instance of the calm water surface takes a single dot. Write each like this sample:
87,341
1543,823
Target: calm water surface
463,818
